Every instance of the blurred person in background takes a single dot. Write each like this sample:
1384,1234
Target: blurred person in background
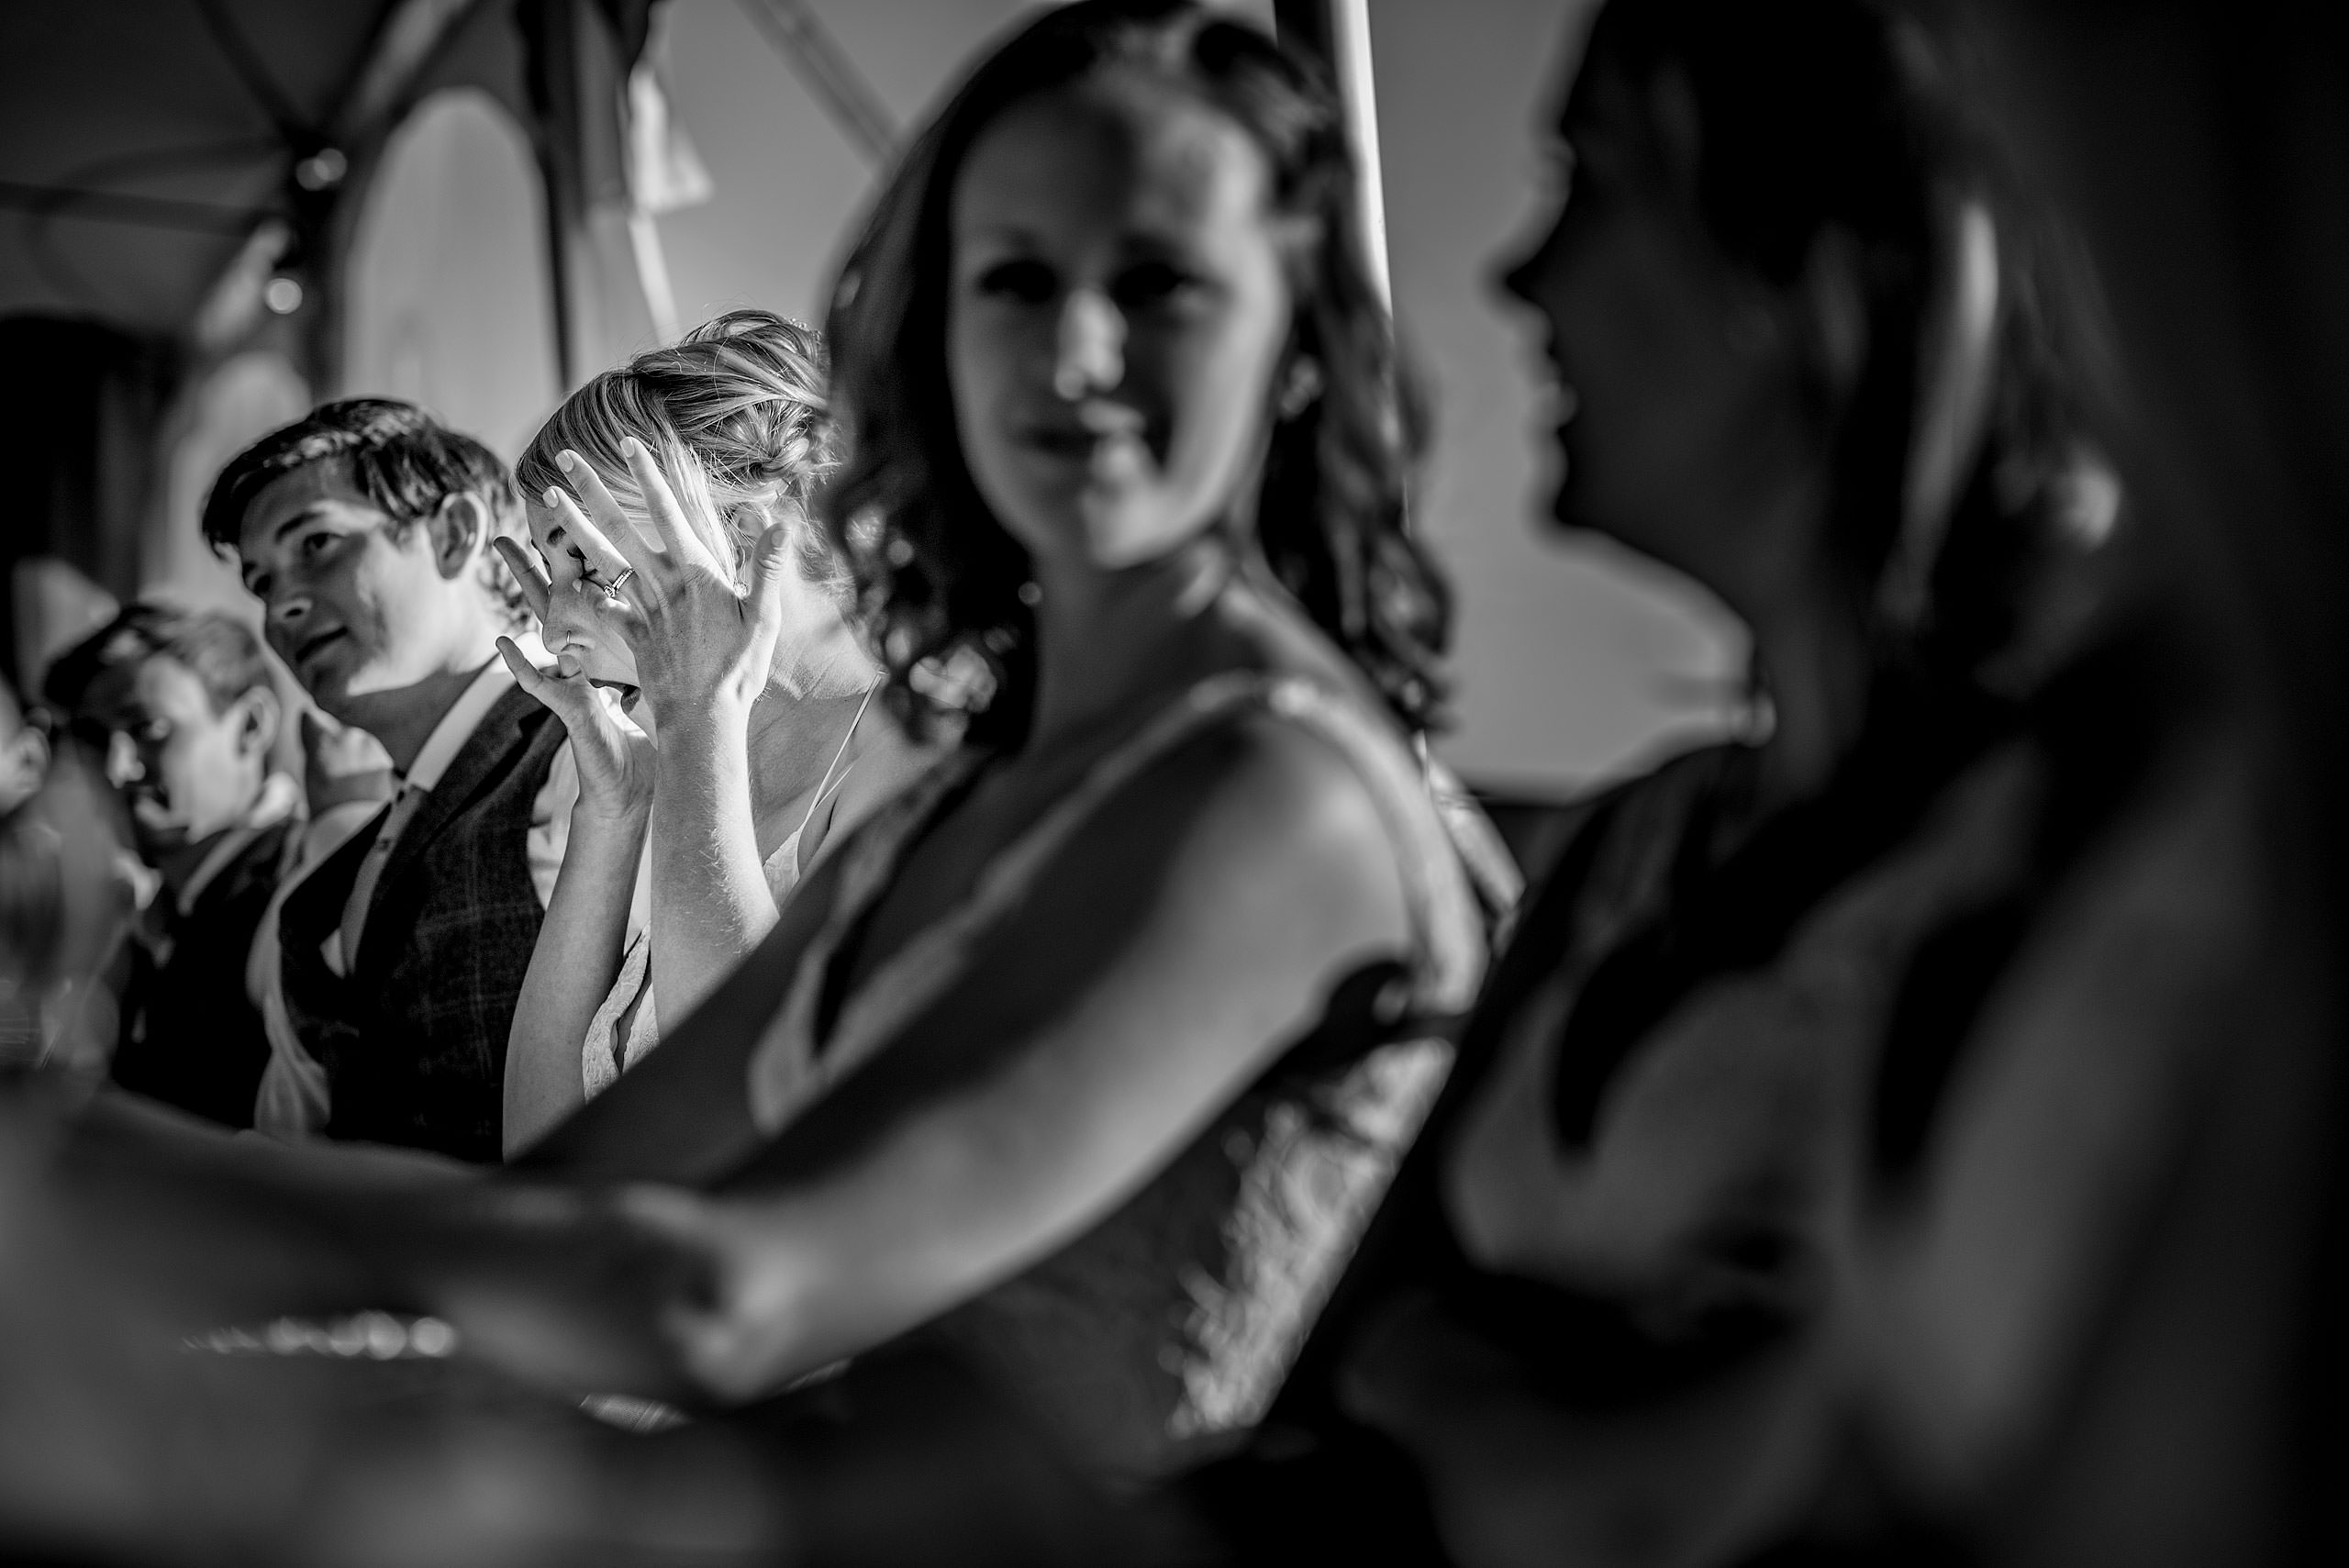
23,763
1815,358
24,752
365,530
724,817
63,907
181,706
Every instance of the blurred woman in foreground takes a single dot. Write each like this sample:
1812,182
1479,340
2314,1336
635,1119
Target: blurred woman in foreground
1668,1207
726,813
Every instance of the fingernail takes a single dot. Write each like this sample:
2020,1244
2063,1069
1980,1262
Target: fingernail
553,495
566,460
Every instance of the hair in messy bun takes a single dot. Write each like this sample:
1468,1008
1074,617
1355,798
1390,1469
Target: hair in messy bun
740,404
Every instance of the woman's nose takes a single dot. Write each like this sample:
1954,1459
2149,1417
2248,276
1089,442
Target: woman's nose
570,612
1090,350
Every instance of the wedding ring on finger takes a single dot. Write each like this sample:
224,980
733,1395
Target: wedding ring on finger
620,581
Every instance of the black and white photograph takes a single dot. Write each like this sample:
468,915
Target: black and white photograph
1201,784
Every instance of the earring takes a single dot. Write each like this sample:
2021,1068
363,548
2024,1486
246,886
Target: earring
1303,385
1031,593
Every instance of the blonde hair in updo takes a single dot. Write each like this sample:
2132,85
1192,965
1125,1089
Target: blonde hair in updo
738,411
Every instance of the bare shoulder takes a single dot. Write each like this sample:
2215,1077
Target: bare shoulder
1250,810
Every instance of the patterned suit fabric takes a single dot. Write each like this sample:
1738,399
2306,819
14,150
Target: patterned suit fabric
414,1040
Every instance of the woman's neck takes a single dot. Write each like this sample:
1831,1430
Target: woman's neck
1106,638
801,727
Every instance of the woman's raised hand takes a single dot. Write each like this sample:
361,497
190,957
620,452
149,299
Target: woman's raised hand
703,644
615,760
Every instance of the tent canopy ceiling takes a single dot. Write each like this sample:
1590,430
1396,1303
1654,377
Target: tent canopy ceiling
140,139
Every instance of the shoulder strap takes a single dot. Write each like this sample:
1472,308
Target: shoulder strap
825,785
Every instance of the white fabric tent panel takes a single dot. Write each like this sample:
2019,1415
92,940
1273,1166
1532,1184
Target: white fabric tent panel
241,401
450,300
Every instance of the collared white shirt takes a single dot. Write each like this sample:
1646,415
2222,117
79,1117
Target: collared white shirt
293,1100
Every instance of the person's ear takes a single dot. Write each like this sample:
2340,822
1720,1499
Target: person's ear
460,528
1835,309
257,725
1300,384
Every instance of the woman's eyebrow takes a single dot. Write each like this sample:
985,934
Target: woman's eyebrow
1012,236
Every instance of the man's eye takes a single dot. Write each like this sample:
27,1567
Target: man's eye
1022,281
317,544
154,732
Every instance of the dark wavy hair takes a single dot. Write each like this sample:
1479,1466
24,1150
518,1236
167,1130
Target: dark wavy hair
1852,116
401,458
938,576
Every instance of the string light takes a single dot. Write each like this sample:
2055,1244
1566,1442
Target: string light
371,1336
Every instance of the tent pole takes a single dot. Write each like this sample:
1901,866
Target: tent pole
1337,32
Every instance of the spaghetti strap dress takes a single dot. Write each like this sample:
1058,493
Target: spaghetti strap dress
627,1024
1159,1337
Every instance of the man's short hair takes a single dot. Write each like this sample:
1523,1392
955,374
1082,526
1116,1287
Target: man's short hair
223,654
404,460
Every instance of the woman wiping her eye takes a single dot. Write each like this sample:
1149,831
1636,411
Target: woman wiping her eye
749,779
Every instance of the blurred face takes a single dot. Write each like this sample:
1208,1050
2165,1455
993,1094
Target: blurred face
1676,377
1117,312
354,607
185,770
24,756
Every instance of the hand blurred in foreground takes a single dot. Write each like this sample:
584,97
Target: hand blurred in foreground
65,902
341,763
